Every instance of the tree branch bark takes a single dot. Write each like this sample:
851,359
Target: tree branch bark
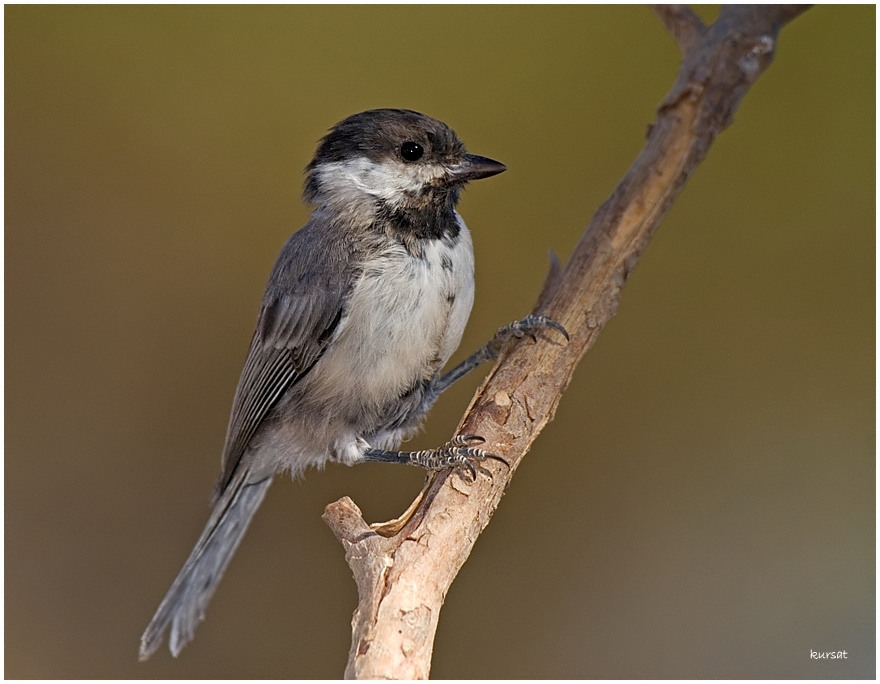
402,580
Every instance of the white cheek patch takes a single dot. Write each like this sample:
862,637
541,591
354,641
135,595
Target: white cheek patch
390,181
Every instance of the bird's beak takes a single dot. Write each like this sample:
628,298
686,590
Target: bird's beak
474,167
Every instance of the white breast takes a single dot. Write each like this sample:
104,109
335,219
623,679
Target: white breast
406,316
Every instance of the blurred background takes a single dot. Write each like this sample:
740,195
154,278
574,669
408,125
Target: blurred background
703,504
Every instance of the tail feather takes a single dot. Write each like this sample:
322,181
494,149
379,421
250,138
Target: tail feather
184,605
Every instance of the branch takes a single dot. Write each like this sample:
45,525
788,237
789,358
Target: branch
683,24
402,580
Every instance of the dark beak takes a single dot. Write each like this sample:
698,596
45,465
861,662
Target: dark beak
474,167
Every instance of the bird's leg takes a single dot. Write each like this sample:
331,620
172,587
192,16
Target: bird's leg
531,325
458,452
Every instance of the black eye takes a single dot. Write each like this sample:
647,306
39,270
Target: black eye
411,151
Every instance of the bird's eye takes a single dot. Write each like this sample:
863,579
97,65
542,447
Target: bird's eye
411,151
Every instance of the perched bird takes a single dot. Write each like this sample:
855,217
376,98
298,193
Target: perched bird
364,306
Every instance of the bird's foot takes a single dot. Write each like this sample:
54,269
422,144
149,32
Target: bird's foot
458,452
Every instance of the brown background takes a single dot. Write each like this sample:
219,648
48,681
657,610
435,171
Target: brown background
703,506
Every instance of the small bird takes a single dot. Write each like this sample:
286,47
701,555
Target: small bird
363,308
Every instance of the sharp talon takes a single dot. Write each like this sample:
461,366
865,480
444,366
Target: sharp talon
495,457
545,322
556,326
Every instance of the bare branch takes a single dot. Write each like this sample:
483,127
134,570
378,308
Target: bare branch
682,23
403,579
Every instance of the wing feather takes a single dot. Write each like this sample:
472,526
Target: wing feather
303,306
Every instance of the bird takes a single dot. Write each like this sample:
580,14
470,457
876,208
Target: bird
363,308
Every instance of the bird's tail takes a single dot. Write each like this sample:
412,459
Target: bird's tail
184,605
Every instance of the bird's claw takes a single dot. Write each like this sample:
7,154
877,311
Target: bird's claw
531,326
458,452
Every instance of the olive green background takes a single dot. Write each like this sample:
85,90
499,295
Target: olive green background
703,504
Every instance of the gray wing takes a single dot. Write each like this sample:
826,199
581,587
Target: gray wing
302,309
